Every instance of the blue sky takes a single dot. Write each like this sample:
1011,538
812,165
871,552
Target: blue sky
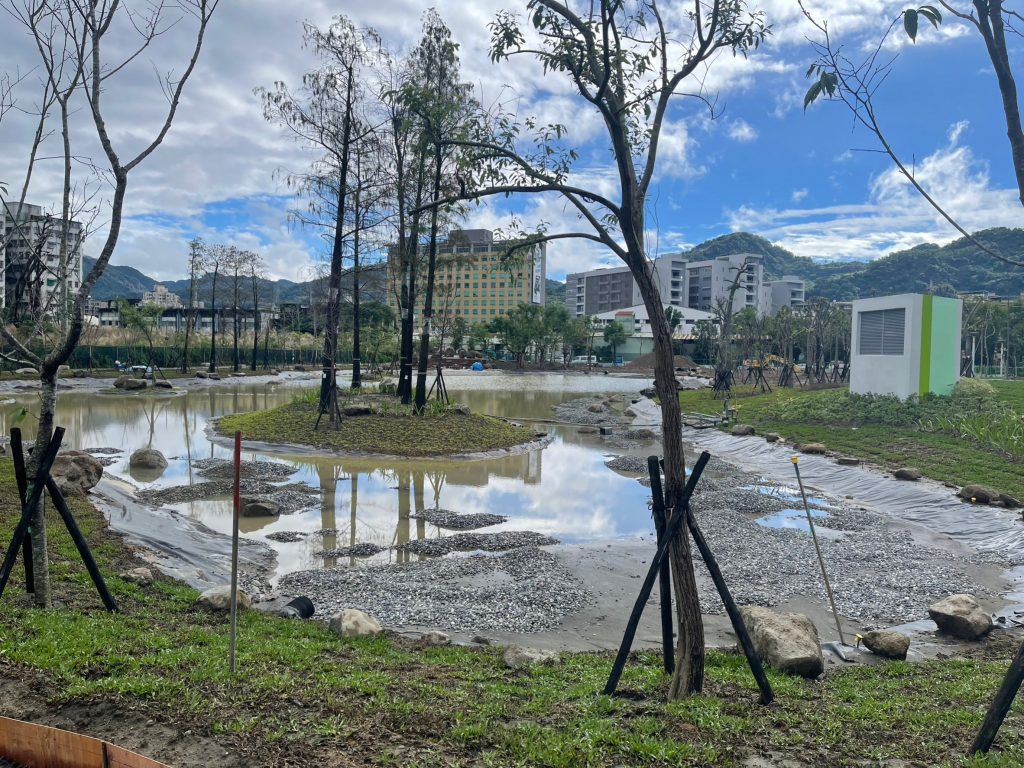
762,165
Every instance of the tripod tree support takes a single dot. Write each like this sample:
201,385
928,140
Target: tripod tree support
21,477
1000,705
664,576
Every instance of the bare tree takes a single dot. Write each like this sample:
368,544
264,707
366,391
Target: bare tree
255,268
72,39
197,264
217,260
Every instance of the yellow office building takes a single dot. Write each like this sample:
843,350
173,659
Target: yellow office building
470,280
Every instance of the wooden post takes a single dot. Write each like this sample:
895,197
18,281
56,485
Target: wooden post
1000,704
236,511
664,577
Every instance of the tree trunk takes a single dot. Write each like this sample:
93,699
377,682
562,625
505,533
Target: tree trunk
428,297
213,321
255,322
357,374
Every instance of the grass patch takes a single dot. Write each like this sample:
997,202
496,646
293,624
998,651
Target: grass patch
392,429
973,436
301,694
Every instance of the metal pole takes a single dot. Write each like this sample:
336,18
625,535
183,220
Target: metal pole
817,548
236,503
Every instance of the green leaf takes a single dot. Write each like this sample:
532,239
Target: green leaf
931,13
811,70
19,416
910,23
812,93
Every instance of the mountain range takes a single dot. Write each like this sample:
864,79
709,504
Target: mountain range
958,266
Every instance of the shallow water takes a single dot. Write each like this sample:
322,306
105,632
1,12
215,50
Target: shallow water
563,490
794,519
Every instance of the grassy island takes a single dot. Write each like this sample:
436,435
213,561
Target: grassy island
377,424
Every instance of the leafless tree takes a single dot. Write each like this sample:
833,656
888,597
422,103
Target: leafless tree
198,261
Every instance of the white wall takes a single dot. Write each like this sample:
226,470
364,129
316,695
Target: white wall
888,374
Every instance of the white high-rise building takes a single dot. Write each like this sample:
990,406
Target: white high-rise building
30,246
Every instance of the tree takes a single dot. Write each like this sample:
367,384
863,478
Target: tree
614,335
235,265
144,318
458,331
574,334
519,329
254,266
77,73
197,265
855,84
218,257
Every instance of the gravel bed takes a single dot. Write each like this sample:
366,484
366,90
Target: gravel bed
287,537
357,550
632,464
292,497
476,542
525,590
106,451
223,469
591,411
456,521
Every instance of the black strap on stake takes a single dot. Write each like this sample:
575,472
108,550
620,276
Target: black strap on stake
1000,704
671,531
83,548
21,476
664,577
27,509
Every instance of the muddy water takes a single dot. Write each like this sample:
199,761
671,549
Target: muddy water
563,490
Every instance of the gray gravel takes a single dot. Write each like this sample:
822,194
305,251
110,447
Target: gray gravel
456,521
476,542
591,411
287,537
357,550
292,497
631,464
526,590
223,469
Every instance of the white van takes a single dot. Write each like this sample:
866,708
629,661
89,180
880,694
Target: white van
584,360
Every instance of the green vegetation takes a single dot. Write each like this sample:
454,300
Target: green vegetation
974,436
392,429
304,693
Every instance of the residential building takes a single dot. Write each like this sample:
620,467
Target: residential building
474,278
161,297
787,292
34,279
709,282
598,290
637,325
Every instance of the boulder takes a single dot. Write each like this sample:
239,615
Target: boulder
256,507
219,598
891,645
786,641
741,430
848,461
147,458
129,383
518,657
596,408
463,410
1008,501
814,449
27,372
979,494
202,375
907,473
299,368
436,638
141,576
76,473
213,376
960,616
237,375
163,384
356,410
651,392
772,437
588,430
355,623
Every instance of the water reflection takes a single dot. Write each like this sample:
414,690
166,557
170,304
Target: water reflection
564,490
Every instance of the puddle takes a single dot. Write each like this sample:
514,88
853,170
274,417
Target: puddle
786,493
793,519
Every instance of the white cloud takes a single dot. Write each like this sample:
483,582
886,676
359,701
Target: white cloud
799,194
742,131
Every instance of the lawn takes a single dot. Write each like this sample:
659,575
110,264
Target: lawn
303,696
890,434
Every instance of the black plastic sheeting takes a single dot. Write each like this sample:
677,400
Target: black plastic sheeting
924,503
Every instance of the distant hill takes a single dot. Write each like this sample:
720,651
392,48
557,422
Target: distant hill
555,291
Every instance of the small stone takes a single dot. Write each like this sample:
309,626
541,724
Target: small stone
355,623
773,437
141,576
463,410
979,494
786,641
219,598
891,645
596,408
237,375
436,638
907,473
961,616
814,449
518,657
742,430
481,640
848,461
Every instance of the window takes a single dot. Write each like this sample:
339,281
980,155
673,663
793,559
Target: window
881,332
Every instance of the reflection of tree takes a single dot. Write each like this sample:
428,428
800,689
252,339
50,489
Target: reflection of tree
420,522
353,497
328,476
402,530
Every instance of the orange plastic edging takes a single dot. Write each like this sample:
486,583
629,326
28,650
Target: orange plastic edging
39,746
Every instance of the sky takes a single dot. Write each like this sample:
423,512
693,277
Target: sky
809,181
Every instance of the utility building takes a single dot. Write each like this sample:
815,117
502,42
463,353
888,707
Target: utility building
905,345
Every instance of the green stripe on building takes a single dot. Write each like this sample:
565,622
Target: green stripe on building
924,382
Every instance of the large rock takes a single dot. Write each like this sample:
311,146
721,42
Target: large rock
786,641
907,473
891,645
219,598
436,638
202,375
772,437
147,458
163,384
141,576
741,430
129,383
27,372
980,494
76,473
355,623
848,461
1009,501
815,449
961,616
356,410
256,507
518,657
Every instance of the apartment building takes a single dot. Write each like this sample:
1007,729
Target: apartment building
787,292
471,279
161,297
30,244
604,290
708,283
